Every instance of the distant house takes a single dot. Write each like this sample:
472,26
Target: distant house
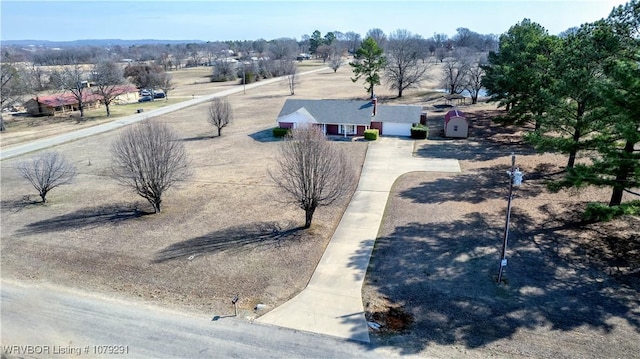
126,94
49,105
349,117
455,124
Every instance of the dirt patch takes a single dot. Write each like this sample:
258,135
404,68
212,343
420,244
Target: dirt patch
390,317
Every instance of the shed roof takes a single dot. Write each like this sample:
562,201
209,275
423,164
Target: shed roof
454,114
351,112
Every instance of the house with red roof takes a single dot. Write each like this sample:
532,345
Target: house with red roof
49,105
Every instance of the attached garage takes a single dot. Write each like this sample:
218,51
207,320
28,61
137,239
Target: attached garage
396,129
349,117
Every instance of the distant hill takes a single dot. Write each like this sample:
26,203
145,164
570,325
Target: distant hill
94,42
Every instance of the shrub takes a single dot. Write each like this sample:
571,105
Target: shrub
371,134
280,132
599,212
223,71
419,131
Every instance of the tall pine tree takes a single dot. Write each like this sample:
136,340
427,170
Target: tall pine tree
368,63
616,161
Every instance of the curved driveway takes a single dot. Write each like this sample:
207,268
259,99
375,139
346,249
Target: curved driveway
331,303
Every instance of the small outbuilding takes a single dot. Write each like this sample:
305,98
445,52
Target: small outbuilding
456,124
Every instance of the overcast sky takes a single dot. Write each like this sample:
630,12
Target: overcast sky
210,20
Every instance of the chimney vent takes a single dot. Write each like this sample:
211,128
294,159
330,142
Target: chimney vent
374,101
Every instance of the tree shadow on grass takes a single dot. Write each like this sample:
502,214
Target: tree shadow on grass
238,238
471,187
198,138
86,218
17,205
445,273
487,140
265,136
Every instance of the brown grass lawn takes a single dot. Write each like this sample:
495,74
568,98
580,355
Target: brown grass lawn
571,287
220,232
570,291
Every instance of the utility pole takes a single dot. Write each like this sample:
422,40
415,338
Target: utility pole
244,79
515,179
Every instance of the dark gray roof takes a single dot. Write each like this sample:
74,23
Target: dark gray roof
352,112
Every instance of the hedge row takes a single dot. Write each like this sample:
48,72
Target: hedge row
371,134
419,131
280,132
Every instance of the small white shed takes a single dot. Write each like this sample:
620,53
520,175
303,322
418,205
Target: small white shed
455,124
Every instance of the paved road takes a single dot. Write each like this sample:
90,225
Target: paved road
60,319
332,301
124,121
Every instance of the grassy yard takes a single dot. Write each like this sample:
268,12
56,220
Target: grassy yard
571,287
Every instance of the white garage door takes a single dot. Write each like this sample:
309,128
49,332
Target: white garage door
396,129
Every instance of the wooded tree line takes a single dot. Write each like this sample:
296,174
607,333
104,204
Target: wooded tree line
24,72
404,61
577,93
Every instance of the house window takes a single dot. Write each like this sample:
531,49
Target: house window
455,128
347,129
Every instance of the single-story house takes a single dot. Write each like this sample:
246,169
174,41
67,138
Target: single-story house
49,105
126,94
350,117
455,124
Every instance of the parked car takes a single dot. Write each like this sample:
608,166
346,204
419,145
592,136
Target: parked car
145,99
158,94
145,92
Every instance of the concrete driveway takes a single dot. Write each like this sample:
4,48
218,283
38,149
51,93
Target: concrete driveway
331,303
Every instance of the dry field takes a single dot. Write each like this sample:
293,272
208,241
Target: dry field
569,291
189,83
222,232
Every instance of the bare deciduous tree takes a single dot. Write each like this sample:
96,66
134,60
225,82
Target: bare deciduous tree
220,113
143,76
454,72
441,53
473,81
312,171
403,54
284,48
165,83
223,70
47,171
107,77
149,158
290,70
73,78
352,40
378,35
335,62
37,78
324,52
12,87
